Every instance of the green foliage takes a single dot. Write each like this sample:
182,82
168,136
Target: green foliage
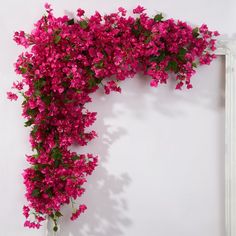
32,112
99,64
38,84
195,32
137,28
56,153
159,58
70,22
35,192
181,54
29,122
49,191
34,130
194,64
57,38
23,69
46,99
83,24
58,214
172,66
158,17
76,157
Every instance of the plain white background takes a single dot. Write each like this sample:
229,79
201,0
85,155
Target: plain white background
161,151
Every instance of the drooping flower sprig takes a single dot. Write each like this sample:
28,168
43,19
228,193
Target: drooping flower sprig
68,59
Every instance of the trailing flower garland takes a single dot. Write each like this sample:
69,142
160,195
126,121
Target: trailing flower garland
67,60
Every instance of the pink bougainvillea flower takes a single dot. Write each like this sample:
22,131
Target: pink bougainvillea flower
189,86
154,83
47,6
19,85
216,33
26,211
11,96
76,214
31,224
122,11
179,85
80,12
138,10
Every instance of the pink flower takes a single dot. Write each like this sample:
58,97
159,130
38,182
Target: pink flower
179,85
26,211
138,10
76,214
80,12
189,86
47,6
122,11
216,33
31,224
11,96
111,86
154,83
18,85
21,39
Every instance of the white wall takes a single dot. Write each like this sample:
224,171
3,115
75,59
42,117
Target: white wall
161,151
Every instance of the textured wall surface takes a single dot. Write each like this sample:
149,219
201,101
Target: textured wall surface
161,151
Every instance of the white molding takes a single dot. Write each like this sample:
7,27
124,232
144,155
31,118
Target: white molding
228,49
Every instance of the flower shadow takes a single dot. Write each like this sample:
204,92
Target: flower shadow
107,208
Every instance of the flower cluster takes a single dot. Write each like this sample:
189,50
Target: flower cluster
77,213
68,59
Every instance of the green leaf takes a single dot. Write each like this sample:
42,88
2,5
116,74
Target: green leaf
34,130
83,24
74,158
57,163
70,22
36,178
49,191
23,70
181,54
58,214
56,153
194,64
37,93
29,122
99,64
65,84
195,32
63,178
30,65
137,28
92,83
158,17
36,167
38,84
35,155
46,99
35,192
67,57
39,147
57,39
159,58
55,228
32,112
173,66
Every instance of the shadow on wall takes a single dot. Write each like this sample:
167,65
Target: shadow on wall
107,213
